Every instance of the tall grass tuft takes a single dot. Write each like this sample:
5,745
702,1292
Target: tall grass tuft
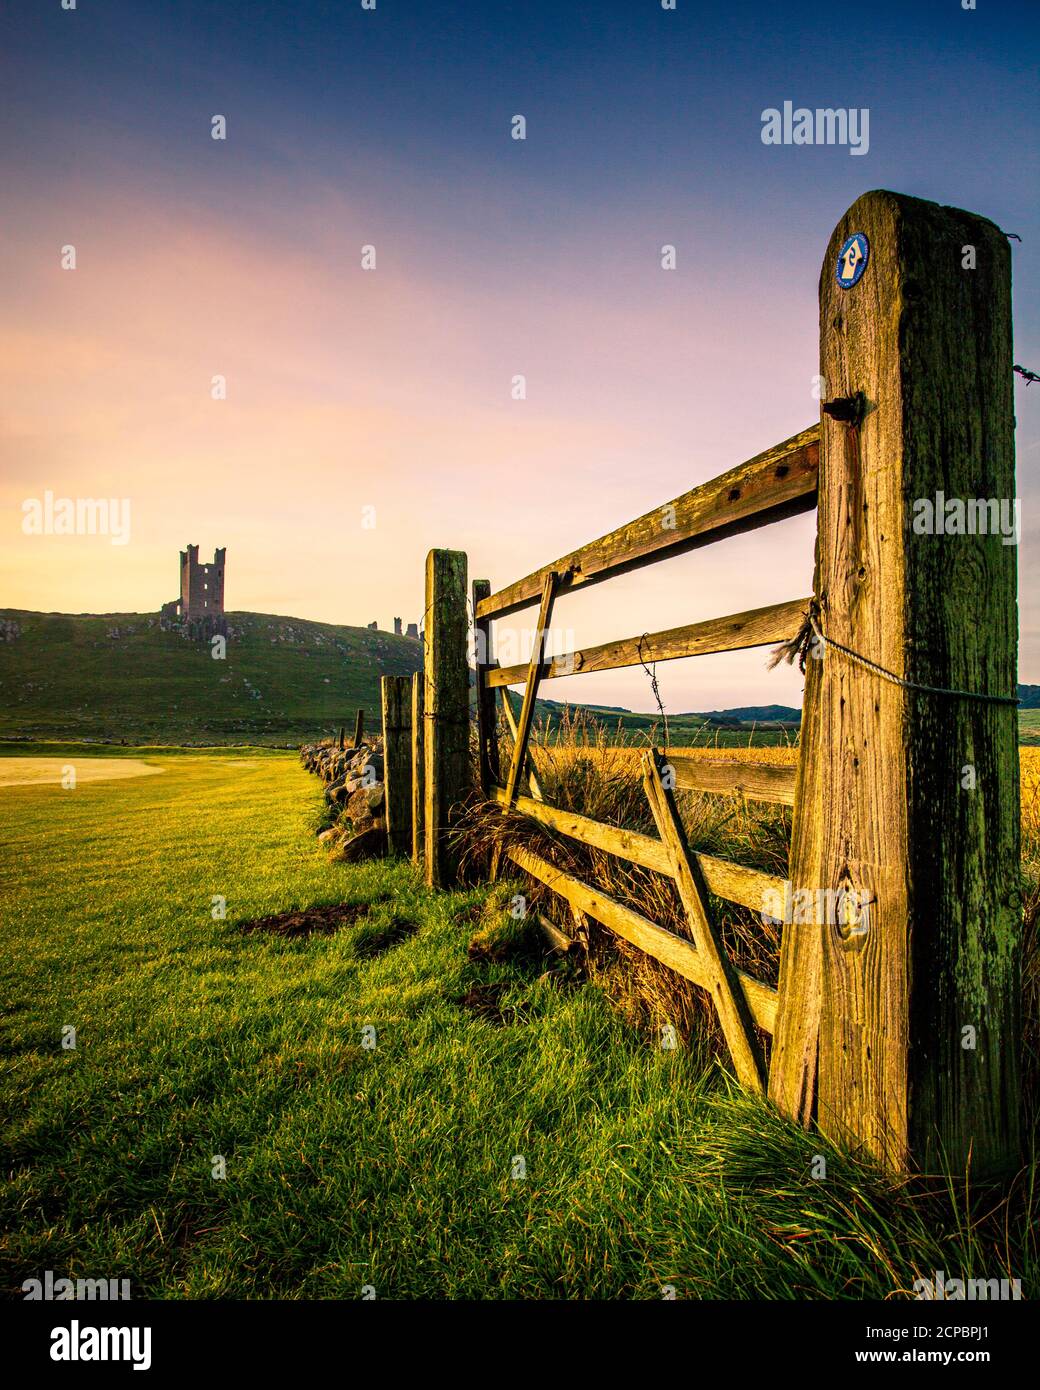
581,768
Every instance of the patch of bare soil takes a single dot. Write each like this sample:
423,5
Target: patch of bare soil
307,921
384,937
484,1001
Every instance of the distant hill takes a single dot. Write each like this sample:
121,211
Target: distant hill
757,714
728,728
119,675
744,714
1029,696
560,705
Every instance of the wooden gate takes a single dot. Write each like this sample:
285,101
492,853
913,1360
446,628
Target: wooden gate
896,1024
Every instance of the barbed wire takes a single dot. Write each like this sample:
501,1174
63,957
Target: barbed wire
654,687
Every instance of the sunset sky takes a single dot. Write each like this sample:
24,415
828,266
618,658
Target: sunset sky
391,388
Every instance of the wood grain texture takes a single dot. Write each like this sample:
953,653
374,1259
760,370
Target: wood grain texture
792,1058
777,483
396,692
731,777
757,627
681,955
722,982
929,344
418,768
446,713
962,630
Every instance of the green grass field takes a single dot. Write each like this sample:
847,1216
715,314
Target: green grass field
393,1167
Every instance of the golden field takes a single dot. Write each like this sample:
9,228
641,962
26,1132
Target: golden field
616,758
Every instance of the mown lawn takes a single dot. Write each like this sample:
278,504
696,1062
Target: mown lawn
393,1167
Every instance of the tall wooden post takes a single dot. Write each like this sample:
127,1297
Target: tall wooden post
359,729
397,761
904,1019
487,733
418,769
447,709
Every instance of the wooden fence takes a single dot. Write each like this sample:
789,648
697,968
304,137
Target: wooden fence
895,1027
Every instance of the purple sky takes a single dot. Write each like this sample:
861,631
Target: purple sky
391,388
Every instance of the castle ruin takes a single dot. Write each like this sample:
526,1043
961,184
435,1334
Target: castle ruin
413,629
200,607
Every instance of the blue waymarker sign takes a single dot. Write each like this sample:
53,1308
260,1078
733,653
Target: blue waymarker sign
852,260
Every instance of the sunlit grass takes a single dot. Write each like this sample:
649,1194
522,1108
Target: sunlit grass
392,1166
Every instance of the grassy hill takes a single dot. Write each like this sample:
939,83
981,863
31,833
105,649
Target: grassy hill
119,675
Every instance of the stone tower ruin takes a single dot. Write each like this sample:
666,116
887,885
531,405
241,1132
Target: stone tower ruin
202,586
201,601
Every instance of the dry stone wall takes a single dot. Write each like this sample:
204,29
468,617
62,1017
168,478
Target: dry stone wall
355,793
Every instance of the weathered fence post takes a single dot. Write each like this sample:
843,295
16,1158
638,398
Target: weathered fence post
487,732
447,708
903,1017
359,729
397,761
418,769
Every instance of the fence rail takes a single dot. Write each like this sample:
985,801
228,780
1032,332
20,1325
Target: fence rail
736,882
759,627
731,777
778,483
